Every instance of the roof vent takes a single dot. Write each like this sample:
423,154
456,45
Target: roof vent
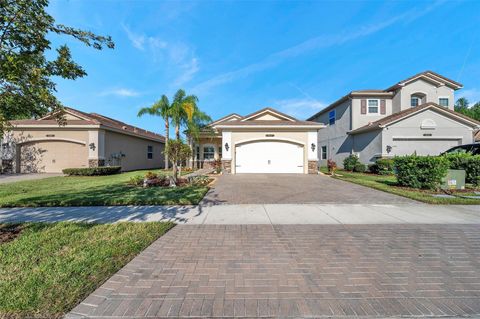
124,127
135,130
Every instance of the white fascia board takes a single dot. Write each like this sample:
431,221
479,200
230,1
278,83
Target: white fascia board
319,126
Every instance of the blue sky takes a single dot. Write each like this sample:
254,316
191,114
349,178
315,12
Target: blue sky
296,56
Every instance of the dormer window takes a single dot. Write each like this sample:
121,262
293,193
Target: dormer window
417,99
414,101
443,101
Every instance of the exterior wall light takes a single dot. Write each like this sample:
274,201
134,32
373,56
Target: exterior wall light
227,146
92,146
313,147
389,149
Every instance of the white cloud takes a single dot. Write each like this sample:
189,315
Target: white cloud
472,95
299,108
122,92
178,56
323,41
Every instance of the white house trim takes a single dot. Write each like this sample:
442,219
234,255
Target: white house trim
267,111
280,139
272,126
52,139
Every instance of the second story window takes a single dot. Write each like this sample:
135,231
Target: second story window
331,117
373,107
150,152
414,101
443,101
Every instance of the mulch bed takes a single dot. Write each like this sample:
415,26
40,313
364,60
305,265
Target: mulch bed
9,232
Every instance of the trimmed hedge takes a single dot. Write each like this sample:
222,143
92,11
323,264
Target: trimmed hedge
92,171
382,166
424,172
468,162
350,162
360,168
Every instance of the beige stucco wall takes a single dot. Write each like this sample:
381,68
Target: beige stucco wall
359,119
401,100
135,150
293,136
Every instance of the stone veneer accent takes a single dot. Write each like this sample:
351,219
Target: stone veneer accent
312,167
227,166
96,162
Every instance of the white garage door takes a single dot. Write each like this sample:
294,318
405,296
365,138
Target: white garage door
407,146
269,157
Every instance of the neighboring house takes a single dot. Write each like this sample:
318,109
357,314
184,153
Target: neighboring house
86,140
476,137
266,141
413,116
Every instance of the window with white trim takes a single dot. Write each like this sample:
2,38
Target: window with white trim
149,152
331,117
414,101
208,152
373,106
323,154
443,101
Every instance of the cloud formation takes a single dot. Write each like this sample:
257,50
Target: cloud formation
122,92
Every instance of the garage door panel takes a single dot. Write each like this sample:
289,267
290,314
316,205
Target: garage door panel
408,146
269,157
52,156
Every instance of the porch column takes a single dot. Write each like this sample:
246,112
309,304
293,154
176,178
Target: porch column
312,151
96,148
227,152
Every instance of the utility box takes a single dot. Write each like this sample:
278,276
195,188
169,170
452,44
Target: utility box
455,179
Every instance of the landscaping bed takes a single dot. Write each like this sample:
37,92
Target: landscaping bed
389,184
97,191
48,268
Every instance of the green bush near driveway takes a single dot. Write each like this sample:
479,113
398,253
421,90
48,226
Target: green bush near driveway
382,166
360,168
96,191
92,171
350,162
51,267
469,163
423,172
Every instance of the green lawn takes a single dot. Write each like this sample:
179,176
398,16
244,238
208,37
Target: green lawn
50,268
95,191
389,184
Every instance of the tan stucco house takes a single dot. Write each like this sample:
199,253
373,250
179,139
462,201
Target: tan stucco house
85,140
416,115
266,141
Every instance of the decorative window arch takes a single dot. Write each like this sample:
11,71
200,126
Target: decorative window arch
417,99
428,124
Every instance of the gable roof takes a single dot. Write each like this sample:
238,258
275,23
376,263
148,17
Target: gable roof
227,118
269,110
431,76
92,119
387,120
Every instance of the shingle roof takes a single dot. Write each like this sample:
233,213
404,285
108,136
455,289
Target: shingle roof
426,73
399,115
94,119
270,123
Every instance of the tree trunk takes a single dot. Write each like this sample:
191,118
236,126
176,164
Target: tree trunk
167,136
177,131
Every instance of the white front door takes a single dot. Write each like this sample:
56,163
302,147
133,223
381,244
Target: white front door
269,157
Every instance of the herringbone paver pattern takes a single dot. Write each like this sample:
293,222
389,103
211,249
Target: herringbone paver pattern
298,271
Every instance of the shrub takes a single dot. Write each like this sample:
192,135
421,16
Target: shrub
350,162
360,168
136,180
421,171
200,180
92,171
151,175
382,166
217,165
332,166
468,162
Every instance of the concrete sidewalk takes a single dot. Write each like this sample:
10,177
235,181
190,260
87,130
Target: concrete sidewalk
320,214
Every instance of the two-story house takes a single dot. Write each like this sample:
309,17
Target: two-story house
415,115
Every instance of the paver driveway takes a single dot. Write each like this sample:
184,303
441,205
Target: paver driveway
293,189
298,271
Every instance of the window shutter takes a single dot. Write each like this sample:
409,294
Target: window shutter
363,108
383,108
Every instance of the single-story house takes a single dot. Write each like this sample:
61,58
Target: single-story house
266,141
85,140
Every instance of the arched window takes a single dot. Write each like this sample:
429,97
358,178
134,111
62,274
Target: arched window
417,99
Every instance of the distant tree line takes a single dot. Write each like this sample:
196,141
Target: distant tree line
463,106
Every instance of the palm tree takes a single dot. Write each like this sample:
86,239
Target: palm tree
163,109
183,109
461,104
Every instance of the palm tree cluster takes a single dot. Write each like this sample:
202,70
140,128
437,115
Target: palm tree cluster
183,111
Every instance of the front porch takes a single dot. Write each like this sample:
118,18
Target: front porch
206,152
